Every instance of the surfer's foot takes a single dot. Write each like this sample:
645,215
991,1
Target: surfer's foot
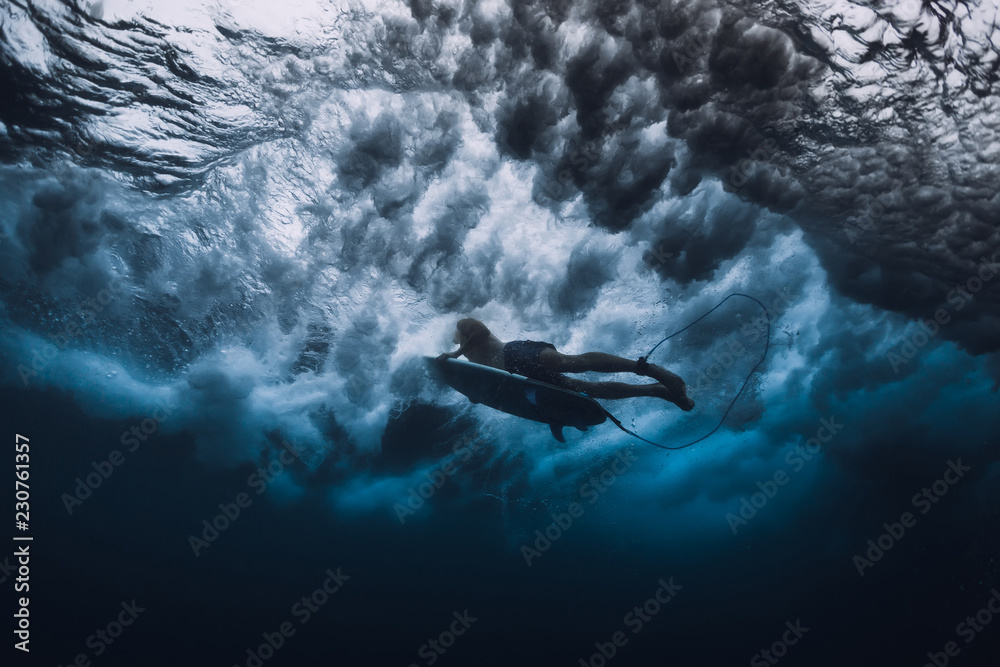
674,388
671,381
682,401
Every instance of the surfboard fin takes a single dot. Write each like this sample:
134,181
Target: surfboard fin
557,432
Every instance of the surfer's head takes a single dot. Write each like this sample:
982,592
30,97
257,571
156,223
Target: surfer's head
469,329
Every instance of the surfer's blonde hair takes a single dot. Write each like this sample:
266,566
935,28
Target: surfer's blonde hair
470,329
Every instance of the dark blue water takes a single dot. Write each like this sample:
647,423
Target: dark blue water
230,233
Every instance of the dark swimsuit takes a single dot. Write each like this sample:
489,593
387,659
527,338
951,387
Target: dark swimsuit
521,357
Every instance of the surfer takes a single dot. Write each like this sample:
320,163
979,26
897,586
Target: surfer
541,361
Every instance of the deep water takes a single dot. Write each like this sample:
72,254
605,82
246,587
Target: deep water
229,232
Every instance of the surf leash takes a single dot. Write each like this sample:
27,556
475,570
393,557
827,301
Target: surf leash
642,363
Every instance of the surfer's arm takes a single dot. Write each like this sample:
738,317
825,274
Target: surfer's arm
463,349
454,355
470,343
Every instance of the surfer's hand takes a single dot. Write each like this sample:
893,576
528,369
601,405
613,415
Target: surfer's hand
443,356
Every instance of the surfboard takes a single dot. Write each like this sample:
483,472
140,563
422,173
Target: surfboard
520,396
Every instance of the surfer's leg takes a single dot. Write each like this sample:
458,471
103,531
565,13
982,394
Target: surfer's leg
613,390
673,384
601,362
671,381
